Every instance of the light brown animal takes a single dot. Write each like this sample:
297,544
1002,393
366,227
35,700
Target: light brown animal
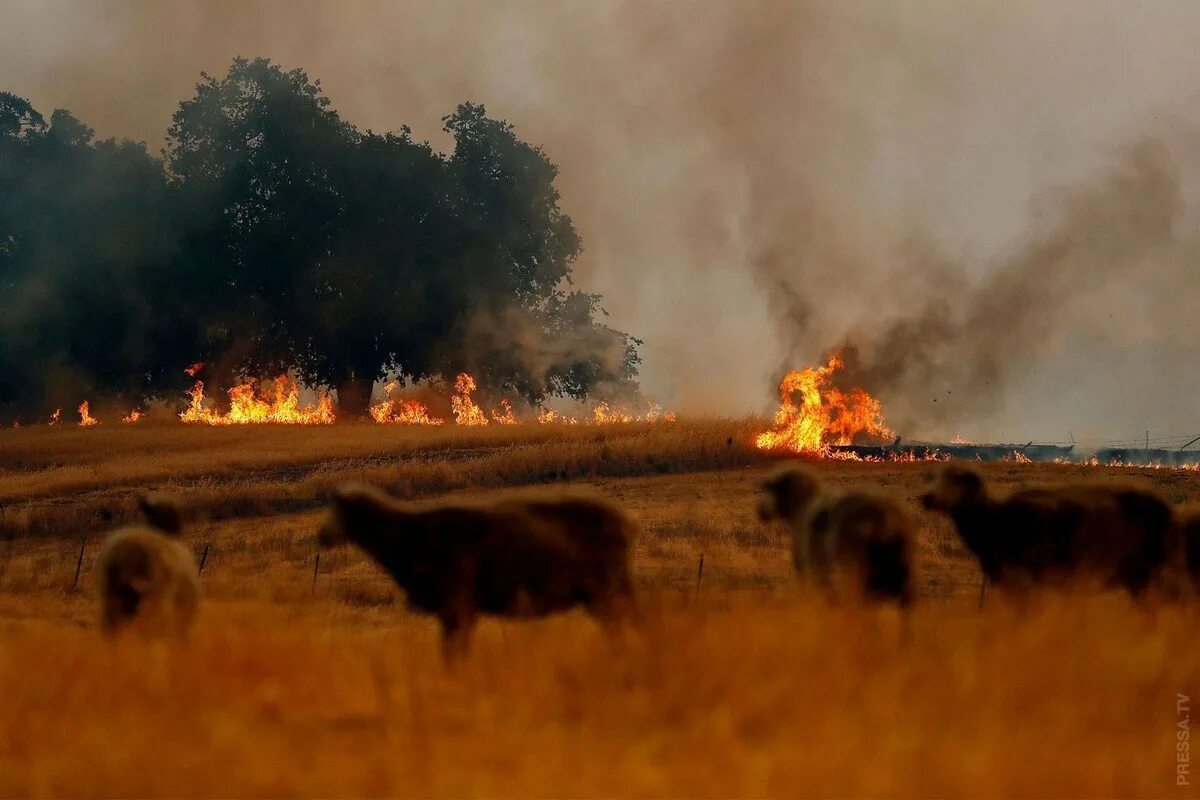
855,538
146,577
516,558
1112,534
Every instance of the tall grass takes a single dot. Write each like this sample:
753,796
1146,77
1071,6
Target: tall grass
1070,696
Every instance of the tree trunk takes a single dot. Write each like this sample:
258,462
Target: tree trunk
354,398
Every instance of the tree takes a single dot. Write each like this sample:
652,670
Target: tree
88,249
275,236
255,156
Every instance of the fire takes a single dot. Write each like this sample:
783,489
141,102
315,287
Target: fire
402,411
813,414
132,416
464,408
86,420
504,415
56,416
280,406
546,416
607,414
193,369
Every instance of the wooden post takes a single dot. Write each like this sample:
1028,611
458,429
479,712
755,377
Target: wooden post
203,558
700,572
79,564
316,566
1147,441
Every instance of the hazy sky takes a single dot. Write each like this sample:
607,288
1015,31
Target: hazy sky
756,183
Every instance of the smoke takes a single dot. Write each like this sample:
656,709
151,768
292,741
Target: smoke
952,355
758,182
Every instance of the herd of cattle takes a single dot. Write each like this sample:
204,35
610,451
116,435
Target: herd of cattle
535,556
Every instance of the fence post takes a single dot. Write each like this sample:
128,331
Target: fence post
79,564
316,566
203,558
700,572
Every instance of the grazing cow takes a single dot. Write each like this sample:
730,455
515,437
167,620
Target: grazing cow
1187,553
1117,535
146,577
861,536
516,558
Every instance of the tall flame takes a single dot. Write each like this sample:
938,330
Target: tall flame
813,414
464,408
280,406
402,411
86,420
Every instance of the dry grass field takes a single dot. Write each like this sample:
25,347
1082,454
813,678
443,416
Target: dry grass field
737,682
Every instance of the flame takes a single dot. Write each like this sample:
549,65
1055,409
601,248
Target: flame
604,414
283,408
813,414
504,415
132,416
607,414
86,420
402,411
193,369
464,408
56,416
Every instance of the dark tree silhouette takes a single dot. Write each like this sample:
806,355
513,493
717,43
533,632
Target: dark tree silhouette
86,264
273,236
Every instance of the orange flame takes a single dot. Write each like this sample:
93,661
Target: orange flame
402,411
86,420
132,416
546,416
283,408
504,415
813,414
56,416
607,414
464,408
193,369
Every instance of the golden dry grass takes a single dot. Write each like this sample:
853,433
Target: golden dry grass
744,686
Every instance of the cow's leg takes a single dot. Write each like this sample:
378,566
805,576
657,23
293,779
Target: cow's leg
458,617
456,635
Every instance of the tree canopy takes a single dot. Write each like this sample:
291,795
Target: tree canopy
273,235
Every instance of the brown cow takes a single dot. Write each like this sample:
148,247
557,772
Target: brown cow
861,536
517,558
146,577
1187,545
1117,535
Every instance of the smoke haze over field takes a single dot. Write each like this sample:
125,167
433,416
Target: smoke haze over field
995,203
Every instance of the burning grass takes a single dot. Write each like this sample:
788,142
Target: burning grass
814,413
